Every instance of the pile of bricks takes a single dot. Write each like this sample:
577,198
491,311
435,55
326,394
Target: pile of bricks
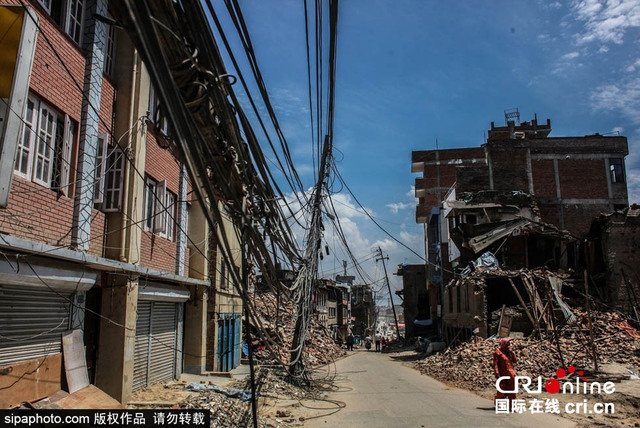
470,364
232,412
279,323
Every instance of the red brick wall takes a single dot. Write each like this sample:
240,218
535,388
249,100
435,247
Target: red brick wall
40,214
35,212
582,178
48,77
544,178
578,218
550,214
157,252
160,164
509,170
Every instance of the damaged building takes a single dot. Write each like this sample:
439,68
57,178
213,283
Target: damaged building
515,204
612,254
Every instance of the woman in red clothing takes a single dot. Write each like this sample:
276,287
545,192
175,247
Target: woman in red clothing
503,361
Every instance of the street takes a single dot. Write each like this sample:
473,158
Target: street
382,392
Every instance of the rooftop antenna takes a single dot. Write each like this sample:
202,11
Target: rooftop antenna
512,114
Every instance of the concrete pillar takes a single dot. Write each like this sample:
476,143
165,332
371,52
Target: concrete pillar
116,350
94,43
195,325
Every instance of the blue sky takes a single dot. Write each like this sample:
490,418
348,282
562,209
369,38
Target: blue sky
409,72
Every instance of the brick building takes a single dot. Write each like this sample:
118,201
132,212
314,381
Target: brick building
566,181
523,157
98,216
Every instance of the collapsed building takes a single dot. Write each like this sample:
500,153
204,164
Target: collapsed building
505,225
612,254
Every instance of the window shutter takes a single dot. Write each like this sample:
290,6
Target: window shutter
65,163
114,180
170,218
98,180
160,222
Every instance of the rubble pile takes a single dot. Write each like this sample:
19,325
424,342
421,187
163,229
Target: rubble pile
225,412
520,321
320,348
229,411
470,364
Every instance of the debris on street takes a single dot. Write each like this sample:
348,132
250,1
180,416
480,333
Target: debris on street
279,323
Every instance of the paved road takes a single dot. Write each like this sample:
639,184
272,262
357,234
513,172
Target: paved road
381,392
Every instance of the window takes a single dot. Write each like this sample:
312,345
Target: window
109,49
150,203
101,156
75,15
616,168
45,144
223,275
113,180
169,216
159,121
46,4
332,312
68,14
159,209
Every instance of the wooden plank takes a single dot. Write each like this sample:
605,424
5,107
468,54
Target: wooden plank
30,380
505,327
90,397
524,305
75,361
536,300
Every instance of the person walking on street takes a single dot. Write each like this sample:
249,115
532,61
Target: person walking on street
503,361
378,340
350,340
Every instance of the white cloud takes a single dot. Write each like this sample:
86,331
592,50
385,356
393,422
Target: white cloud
570,55
412,239
633,186
553,6
622,96
633,67
543,37
412,192
395,207
603,49
618,129
605,21
566,62
363,239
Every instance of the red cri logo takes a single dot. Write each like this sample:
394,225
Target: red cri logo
553,386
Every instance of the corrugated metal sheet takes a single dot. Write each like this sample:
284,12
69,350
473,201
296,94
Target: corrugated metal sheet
163,345
32,320
156,343
141,359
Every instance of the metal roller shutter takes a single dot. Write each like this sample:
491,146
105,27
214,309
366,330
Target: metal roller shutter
164,343
141,359
156,343
32,321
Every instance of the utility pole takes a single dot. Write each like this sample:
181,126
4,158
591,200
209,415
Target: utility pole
311,258
245,286
395,317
